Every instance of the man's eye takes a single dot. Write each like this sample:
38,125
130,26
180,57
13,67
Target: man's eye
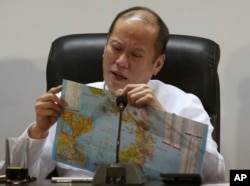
116,48
137,55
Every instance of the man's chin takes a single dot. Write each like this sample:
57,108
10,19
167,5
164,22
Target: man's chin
115,86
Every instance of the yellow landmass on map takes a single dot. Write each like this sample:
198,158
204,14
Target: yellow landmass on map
97,91
110,105
67,148
79,126
126,117
142,147
65,139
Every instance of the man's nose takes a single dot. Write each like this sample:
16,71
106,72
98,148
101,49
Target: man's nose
122,60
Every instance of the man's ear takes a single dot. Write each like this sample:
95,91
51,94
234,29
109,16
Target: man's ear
158,64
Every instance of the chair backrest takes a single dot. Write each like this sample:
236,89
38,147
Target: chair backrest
191,64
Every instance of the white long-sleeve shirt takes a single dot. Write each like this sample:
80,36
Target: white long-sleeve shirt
172,99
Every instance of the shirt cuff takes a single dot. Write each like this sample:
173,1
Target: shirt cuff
35,145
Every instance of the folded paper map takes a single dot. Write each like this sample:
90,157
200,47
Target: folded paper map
156,141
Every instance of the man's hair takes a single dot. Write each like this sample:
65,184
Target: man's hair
163,32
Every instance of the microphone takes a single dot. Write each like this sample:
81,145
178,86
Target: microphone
119,173
121,102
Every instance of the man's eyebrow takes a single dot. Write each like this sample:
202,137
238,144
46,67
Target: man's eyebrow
136,48
115,42
139,49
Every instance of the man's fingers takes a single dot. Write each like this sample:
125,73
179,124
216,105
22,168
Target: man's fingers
51,96
50,112
55,90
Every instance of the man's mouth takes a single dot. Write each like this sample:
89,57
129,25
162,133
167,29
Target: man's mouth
119,77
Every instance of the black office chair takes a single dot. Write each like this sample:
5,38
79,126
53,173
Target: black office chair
191,64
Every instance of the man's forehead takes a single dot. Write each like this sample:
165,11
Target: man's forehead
116,41
140,15
135,18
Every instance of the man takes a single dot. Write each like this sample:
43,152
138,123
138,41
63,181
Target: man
134,52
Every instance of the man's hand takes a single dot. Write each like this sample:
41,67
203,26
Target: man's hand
48,108
140,95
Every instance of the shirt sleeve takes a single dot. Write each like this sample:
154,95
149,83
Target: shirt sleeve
40,160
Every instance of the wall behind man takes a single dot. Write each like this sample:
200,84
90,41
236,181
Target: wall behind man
28,28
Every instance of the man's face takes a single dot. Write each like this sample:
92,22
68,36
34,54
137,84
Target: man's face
129,55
